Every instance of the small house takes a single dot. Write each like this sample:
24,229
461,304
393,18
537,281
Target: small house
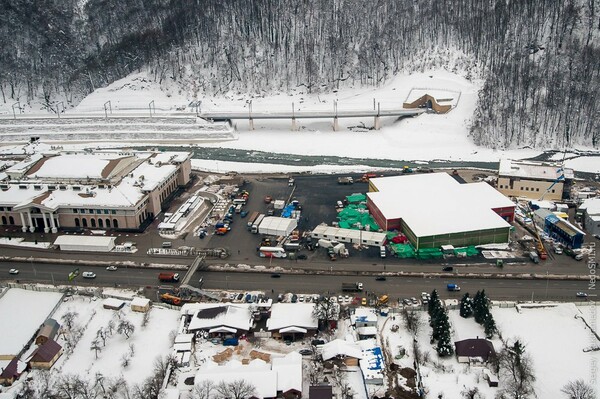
474,350
348,352
11,372
48,331
140,304
113,303
45,355
320,392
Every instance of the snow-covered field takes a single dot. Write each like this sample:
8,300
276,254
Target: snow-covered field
554,337
424,138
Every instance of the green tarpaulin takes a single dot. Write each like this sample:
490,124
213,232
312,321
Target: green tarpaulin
356,198
468,251
353,216
403,250
429,253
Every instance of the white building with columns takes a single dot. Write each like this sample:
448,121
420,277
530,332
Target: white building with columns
109,189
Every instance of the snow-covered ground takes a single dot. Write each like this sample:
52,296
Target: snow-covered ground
424,138
21,314
554,337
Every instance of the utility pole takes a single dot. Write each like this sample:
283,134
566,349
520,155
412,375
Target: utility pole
13,109
109,107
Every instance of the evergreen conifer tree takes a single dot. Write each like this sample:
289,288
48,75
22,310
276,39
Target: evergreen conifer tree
466,306
433,302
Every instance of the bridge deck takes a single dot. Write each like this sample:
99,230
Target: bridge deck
311,114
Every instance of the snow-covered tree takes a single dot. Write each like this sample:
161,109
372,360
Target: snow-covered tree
466,306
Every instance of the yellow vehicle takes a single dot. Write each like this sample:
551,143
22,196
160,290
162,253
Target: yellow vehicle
382,300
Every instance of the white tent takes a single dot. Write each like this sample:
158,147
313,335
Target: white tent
85,243
276,226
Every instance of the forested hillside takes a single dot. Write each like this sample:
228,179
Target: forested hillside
540,59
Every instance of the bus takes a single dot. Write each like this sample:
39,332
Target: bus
271,252
257,222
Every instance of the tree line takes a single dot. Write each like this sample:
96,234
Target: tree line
539,60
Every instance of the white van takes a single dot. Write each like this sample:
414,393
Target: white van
382,252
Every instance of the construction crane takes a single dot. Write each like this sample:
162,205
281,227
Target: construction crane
539,245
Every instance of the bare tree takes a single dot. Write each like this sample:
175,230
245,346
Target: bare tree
516,371
95,346
69,318
325,310
238,389
471,393
101,334
204,390
579,389
413,320
126,328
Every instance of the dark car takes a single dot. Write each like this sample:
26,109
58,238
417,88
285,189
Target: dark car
448,269
380,278
301,257
305,352
317,342
239,297
275,275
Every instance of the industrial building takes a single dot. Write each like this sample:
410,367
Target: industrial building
591,215
101,190
535,180
434,210
559,229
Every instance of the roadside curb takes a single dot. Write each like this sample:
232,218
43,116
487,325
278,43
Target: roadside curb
80,262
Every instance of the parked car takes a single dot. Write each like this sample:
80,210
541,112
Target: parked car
230,342
14,271
425,297
363,302
558,250
574,254
111,268
414,301
239,297
294,298
305,352
88,275
280,298
317,342
407,302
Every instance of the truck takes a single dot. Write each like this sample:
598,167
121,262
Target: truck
453,287
252,218
168,277
345,180
259,219
352,287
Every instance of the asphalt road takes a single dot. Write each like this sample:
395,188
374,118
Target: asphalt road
396,287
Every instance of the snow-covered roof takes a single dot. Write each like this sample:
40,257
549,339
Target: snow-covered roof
273,225
292,315
22,312
591,205
211,316
340,347
113,302
289,372
367,331
81,179
533,170
181,338
293,329
87,241
139,301
363,315
257,372
372,362
445,206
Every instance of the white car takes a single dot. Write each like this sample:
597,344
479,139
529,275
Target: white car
14,271
88,275
111,268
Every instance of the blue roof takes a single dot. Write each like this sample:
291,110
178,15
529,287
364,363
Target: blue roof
375,358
